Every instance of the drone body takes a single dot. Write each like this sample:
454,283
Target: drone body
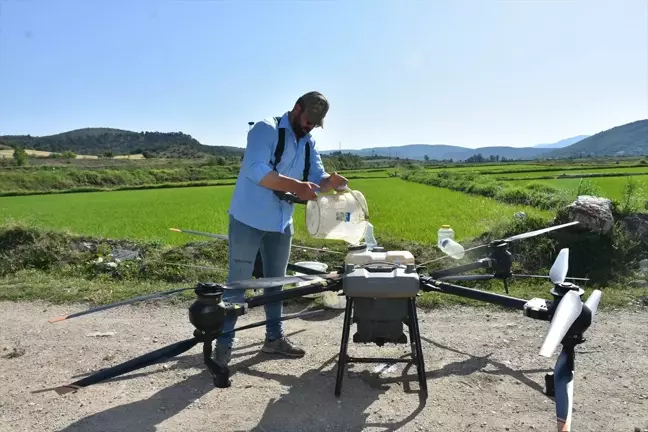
381,288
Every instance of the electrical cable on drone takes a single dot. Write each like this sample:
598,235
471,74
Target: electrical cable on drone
381,288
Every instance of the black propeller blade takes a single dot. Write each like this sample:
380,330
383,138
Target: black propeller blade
149,359
225,237
525,235
121,303
270,282
470,277
261,283
156,356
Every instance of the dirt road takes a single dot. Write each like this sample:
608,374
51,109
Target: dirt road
484,373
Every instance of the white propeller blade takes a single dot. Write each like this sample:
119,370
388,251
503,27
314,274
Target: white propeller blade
558,271
593,302
566,313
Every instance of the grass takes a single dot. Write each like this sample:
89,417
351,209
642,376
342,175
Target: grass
572,171
609,187
398,209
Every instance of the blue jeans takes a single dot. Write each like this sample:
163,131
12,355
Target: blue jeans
244,243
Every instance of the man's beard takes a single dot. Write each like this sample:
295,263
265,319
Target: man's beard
297,129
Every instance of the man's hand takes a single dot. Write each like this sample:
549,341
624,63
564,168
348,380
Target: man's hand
334,181
306,190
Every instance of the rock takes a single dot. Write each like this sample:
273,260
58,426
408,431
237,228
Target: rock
637,225
593,213
123,254
520,215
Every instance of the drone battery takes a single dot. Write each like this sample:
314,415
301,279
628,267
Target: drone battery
379,321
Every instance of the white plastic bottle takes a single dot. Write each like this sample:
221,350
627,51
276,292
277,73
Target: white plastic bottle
445,231
452,248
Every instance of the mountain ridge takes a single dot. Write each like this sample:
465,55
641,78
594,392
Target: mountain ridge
630,139
447,151
101,140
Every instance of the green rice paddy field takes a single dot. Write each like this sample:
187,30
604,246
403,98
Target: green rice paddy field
397,208
609,187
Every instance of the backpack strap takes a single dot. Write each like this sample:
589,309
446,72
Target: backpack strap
307,163
280,145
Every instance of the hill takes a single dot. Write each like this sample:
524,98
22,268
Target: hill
562,143
446,152
98,141
630,139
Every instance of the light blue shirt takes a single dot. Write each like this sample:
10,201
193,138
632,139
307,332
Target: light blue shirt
256,205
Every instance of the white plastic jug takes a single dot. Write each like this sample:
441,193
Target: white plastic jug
338,216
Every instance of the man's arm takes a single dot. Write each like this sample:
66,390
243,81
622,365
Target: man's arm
256,161
317,173
319,176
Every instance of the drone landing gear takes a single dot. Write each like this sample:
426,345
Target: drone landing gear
220,374
378,329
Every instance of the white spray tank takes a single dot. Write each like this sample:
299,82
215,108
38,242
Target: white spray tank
447,244
338,215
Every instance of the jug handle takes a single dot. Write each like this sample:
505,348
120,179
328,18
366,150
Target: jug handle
348,189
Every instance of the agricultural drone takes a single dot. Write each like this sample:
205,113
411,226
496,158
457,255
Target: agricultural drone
381,298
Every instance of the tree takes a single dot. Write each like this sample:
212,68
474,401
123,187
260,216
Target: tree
20,156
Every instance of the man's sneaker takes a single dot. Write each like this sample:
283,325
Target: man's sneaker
282,346
222,355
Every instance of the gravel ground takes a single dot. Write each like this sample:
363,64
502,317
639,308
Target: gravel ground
484,373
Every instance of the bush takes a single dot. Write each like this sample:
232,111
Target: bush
536,194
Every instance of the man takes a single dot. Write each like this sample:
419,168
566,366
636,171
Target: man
260,221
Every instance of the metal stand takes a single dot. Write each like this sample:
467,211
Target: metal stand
415,342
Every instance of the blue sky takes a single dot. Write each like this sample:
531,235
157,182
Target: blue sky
471,73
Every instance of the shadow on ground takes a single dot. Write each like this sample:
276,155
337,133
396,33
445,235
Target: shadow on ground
309,404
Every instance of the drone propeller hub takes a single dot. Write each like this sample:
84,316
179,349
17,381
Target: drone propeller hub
560,289
209,289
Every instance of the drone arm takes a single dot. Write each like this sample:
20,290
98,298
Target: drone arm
452,271
325,285
429,284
